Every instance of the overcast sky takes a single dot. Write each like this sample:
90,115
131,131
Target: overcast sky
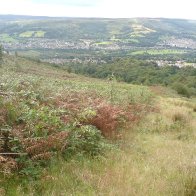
102,8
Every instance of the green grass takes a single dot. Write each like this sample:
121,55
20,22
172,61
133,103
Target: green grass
152,160
30,53
104,43
140,30
148,162
133,40
39,34
6,38
154,157
28,34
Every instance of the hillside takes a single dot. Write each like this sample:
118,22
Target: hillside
63,39
65,134
71,29
135,71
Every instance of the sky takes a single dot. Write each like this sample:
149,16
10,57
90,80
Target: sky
102,8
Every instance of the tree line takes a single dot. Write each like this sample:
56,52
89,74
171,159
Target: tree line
136,71
1,53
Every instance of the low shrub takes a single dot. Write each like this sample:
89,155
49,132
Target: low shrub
182,89
86,140
74,122
108,119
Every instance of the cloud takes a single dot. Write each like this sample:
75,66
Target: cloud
102,8
75,8
150,8
75,3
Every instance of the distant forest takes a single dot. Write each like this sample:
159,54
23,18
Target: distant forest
142,72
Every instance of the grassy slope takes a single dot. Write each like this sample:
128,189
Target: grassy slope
156,157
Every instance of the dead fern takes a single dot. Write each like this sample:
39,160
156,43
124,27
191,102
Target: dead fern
43,147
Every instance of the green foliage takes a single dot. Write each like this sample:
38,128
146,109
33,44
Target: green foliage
86,140
42,121
102,34
142,72
182,89
87,114
30,170
47,114
1,54
11,113
147,32
42,116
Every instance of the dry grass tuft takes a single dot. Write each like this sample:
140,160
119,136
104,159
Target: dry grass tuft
190,187
42,148
2,192
7,165
194,108
179,117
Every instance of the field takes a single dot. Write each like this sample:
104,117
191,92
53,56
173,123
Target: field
115,138
29,34
140,30
6,38
104,43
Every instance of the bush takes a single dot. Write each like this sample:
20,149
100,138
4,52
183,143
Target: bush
182,89
1,54
108,119
86,140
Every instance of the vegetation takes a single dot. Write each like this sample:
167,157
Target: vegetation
41,121
143,72
67,134
6,38
127,130
182,89
32,34
1,54
144,30
157,52
62,38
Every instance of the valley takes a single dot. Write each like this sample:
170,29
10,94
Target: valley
97,106
63,38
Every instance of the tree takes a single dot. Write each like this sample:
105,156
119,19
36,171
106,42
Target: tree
16,54
182,89
1,53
